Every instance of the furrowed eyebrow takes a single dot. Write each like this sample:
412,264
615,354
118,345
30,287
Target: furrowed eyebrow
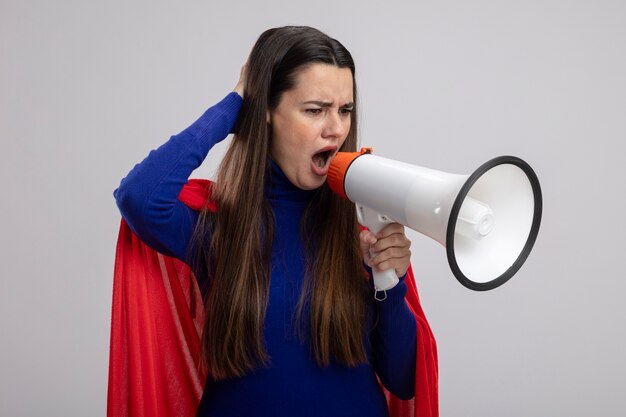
326,104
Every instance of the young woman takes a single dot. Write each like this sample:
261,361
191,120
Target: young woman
292,327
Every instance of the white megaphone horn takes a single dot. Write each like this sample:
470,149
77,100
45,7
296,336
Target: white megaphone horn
488,221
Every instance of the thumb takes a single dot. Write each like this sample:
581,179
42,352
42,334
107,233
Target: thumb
366,240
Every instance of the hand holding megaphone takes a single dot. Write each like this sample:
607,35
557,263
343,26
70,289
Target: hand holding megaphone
388,247
487,221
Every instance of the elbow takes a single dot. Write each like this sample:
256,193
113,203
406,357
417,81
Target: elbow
126,201
121,198
117,195
400,379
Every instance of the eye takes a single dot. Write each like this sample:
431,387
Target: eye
314,111
346,111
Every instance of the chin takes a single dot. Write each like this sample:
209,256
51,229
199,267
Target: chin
313,184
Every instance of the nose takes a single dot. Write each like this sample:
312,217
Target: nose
335,126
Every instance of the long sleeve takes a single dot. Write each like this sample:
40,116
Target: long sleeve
394,341
148,196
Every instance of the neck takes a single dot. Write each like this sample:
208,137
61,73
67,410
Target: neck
279,188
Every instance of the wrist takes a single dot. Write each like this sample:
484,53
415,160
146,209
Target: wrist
239,90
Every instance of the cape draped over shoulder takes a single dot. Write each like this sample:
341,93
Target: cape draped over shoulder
157,319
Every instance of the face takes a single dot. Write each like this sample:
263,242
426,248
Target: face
310,123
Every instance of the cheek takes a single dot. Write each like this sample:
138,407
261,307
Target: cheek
283,135
297,137
303,135
289,144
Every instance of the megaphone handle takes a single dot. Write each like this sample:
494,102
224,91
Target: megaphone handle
375,222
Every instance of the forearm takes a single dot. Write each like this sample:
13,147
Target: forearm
148,196
395,342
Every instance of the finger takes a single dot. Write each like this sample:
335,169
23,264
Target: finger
399,263
366,239
389,254
400,267
395,240
390,229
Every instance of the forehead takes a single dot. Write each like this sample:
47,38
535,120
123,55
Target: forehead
324,83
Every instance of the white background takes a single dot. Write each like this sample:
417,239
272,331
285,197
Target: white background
88,88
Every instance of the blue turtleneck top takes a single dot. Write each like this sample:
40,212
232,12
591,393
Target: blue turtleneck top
294,385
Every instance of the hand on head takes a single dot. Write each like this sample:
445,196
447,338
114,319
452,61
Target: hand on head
240,87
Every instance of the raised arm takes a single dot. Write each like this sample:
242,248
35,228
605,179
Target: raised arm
148,196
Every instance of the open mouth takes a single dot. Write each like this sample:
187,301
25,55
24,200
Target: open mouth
321,159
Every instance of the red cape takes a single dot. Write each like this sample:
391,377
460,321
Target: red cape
156,322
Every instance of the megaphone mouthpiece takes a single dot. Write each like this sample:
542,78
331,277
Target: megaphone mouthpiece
339,167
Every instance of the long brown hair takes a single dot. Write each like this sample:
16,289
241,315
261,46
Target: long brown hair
236,254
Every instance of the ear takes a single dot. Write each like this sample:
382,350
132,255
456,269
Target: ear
268,118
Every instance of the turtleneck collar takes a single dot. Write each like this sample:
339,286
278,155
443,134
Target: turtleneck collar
278,188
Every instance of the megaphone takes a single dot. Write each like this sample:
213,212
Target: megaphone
487,221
